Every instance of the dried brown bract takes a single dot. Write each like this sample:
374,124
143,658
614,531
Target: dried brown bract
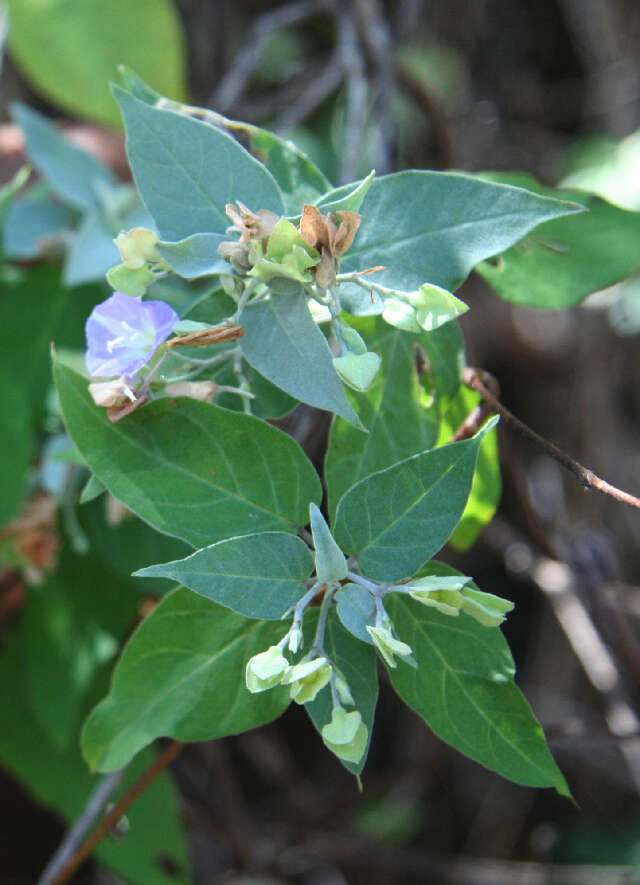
252,225
323,233
213,335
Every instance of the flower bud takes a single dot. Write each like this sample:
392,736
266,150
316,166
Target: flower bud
439,592
401,315
265,670
388,645
130,282
346,735
307,679
357,370
202,390
137,246
487,609
295,640
344,692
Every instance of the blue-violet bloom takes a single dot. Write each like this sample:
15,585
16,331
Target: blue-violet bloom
123,333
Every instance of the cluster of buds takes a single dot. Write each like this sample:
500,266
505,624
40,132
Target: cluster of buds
451,595
345,735
141,261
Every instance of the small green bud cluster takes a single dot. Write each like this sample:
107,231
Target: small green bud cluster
141,262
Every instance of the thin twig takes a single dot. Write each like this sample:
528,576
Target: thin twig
319,88
112,818
73,839
353,68
378,42
434,112
480,381
248,58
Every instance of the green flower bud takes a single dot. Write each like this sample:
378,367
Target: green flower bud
439,592
435,306
487,609
287,255
266,669
344,692
295,640
128,281
137,246
388,645
346,735
353,341
357,370
307,678
401,315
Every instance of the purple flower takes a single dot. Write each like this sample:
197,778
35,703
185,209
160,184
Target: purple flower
123,333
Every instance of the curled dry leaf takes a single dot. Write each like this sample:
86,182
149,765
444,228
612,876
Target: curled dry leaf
214,335
35,535
251,225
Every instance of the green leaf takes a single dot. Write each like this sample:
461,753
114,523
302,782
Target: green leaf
185,193
444,351
567,259
70,49
92,489
196,256
182,675
396,410
474,220
75,175
91,252
259,576
58,777
397,519
33,221
486,487
189,469
284,344
347,198
15,441
357,664
329,558
356,609
464,690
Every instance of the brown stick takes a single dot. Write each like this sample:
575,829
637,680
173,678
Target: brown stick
112,818
481,381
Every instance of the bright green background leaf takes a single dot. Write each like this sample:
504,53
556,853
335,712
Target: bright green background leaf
566,259
182,675
70,49
259,576
487,486
191,469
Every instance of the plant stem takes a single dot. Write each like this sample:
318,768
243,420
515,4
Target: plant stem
318,640
480,381
112,818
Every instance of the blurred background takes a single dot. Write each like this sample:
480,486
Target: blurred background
549,87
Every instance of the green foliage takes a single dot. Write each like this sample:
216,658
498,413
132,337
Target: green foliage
567,258
53,667
357,664
464,690
70,49
177,462
475,220
352,455
192,199
182,675
259,576
284,344
397,519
